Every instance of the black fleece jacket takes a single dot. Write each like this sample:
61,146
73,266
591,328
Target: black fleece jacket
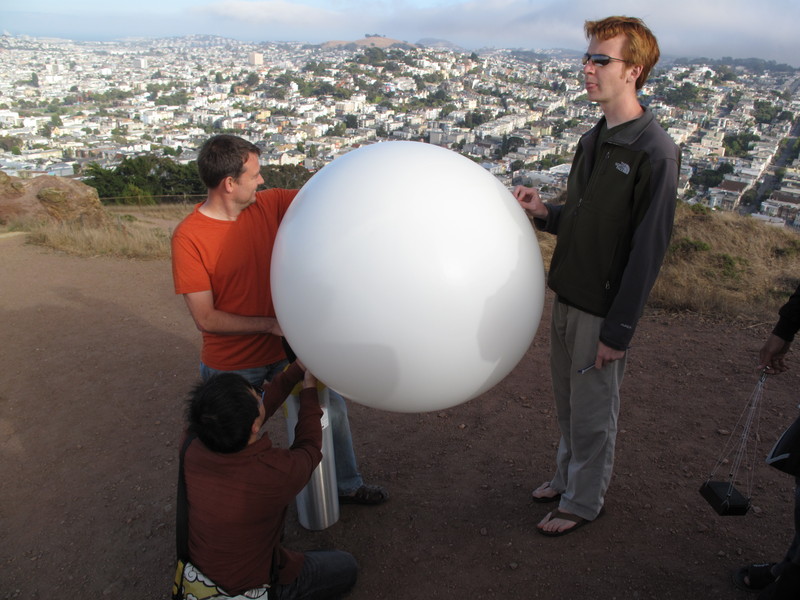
614,229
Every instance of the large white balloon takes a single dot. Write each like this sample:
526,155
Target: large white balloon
407,278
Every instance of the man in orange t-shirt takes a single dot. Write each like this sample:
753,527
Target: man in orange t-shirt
221,255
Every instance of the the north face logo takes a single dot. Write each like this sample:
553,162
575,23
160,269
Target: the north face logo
623,167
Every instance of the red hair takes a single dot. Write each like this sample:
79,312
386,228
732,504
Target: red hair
641,47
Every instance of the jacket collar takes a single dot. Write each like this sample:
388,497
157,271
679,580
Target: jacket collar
628,135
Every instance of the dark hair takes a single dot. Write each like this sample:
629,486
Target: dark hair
641,47
223,156
221,412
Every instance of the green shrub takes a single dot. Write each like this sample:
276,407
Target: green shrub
731,266
700,209
685,246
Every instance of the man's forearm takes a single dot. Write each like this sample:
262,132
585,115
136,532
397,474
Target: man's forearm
209,319
222,323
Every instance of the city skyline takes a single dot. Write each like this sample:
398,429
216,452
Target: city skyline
685,28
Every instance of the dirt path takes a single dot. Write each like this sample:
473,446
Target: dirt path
98,354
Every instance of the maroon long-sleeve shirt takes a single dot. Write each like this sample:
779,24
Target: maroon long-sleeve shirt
237,502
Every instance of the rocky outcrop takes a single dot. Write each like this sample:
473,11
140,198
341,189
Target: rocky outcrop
50,198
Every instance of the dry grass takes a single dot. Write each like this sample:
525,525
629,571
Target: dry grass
119,241
719,264
722,265
727,265
133,232
155,213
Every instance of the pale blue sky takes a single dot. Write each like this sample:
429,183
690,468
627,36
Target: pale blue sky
714,28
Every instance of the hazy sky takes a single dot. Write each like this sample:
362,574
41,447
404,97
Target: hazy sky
712,28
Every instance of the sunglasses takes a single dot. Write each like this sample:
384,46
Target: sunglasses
600,60
260,392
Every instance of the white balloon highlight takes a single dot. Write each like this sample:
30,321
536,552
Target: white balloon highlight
407,278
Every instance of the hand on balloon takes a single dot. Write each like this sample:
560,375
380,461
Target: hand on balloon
773,355
529,199
309,381
275,328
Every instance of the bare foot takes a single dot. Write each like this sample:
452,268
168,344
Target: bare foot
544,492
554,524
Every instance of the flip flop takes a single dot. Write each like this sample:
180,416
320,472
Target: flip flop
366,494
759,576
559,514
545,499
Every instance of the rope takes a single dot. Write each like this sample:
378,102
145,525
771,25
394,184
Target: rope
748,420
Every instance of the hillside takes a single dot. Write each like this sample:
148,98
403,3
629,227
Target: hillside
98,355
725,265
376,41
722,265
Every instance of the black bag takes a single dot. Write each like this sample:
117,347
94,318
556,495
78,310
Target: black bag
724,498
722,495
785,454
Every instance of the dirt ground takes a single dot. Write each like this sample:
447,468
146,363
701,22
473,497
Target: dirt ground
98,354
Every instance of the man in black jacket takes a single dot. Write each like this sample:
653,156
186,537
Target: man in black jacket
613,232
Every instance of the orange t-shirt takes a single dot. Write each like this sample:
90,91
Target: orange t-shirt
232,259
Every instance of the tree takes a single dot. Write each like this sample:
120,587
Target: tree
351,121
550,161
337,130
155,177
285,176
739,144
107,184
447,109
132,194
317,68
179,98
473,119
372,56
275,92
511,144
750,197
7,142
683,97
765,112
711,177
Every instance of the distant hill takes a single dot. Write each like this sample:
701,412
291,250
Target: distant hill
534,56
370,41
758,65
380,41
437,43
197,39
